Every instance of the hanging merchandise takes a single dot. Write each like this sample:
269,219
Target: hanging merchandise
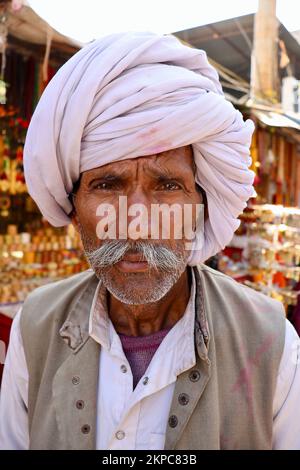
12,137
3,44
268,247
275,155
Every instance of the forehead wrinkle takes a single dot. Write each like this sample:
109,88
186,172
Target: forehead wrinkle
109,169
149,164
165,163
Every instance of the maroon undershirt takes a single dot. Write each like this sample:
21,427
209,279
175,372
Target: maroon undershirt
139,351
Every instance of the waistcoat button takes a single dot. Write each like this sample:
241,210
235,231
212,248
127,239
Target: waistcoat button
173,421
85,429
75,380
123,368
80,404
183,399
194,376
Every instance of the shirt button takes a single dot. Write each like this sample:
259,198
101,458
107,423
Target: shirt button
120,435
75,380
123,368
183,399
173,421
194,376
85,429
145,380
80,404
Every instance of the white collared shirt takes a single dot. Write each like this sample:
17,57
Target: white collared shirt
137,419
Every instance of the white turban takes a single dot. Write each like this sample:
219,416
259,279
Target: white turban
135,94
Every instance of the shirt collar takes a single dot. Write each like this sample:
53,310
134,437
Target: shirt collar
179,339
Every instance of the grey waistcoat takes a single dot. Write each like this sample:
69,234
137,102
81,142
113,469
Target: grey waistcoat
239,340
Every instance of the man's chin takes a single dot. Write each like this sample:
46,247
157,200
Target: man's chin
137,287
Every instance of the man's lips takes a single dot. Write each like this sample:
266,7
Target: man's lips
133,257
132,262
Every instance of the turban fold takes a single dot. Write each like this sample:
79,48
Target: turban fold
135,94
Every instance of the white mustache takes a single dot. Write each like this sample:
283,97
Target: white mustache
157,256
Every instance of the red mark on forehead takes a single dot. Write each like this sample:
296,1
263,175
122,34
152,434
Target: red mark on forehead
157,147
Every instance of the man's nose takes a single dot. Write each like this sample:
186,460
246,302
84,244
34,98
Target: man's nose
139,214
138,195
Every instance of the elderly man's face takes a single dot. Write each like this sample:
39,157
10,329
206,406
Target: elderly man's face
142,265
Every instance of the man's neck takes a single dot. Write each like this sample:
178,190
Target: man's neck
142,320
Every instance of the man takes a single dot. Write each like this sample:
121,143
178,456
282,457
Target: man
150,349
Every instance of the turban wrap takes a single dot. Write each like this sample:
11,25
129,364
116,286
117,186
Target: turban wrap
135,94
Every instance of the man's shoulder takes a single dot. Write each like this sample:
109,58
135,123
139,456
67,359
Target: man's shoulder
61,286
242,319
231,285
240,298
55,298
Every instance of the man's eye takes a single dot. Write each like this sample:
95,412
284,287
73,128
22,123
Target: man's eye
102,185
171,186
